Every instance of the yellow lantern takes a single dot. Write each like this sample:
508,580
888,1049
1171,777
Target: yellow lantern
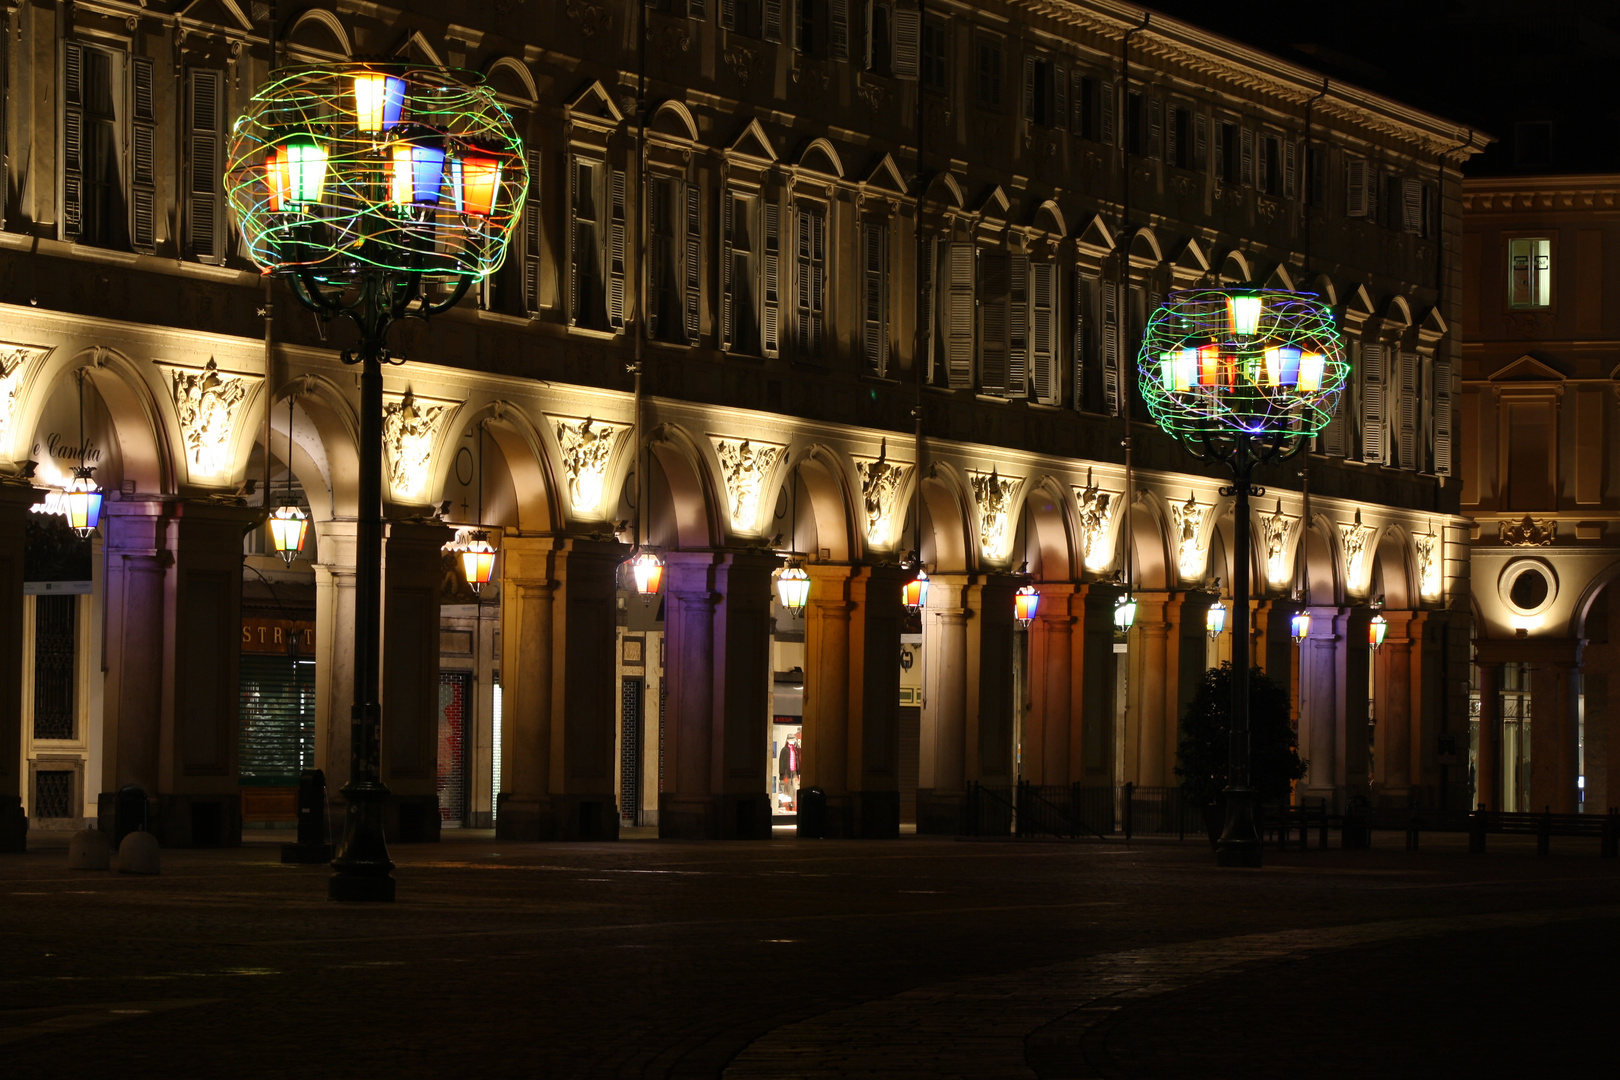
1376,630
793,587
288,527
379,100
478,561
1301,626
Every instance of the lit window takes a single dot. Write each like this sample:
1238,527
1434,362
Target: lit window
1529,273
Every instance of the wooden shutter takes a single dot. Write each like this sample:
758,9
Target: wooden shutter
531,237
1018,326
616,252
959,316
1409,409
1200,141
808,284
1110,347
928,255
72,140
771,322
1171,126
1079,101
1290,168
1246,158
660,268
574,170
1263,172
1029,87
838,29
1220,152
1155,141
728,14
204,210
1372,194
993,300
1108,114
205,107
1355,187
1411,205
1081,299
1332,439
1372,404
1044,386
692,257
874,298
1059,116
728,329
907,43
1442,418
771,24
697,9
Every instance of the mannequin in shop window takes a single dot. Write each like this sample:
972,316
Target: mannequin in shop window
787,770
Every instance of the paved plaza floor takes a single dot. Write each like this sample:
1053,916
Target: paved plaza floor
918,957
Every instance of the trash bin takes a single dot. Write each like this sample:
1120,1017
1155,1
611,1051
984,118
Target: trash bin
129,813
1357,830
812,813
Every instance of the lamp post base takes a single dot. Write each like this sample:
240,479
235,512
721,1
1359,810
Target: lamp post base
362,870
1239,844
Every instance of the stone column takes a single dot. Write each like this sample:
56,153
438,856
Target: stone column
1488,756
990,703
1319,704
1070,734
942,772
134,533
1152,688
1554,729
558,619
1355,662
1428,707
717,619
334,657
852,697
413,576
17,495
1392,768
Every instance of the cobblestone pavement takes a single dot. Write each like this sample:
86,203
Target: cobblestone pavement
909,958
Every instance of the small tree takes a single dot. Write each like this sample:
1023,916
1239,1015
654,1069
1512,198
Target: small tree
1206,732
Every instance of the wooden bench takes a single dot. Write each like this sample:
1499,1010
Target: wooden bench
1544,826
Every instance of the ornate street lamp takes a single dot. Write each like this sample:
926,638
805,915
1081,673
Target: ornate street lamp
1215,620
314,176
1300,625
793,587
647,571
478,560
914,593
289,524
1378,626
1026,605
1124,615
81,496
1242,377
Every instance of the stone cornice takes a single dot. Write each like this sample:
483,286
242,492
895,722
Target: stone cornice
1504,194
1242,66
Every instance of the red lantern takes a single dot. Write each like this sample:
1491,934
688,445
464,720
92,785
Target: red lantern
914,594
475,179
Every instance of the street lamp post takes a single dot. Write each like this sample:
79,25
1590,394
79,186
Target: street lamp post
381,192
1241,377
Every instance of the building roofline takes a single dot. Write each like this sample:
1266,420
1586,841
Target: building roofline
1256,69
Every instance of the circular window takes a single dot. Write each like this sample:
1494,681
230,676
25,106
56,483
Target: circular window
1528,586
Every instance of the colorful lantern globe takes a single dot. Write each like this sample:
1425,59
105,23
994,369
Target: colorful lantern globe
289,525
1376,629
82,500
379,100
320,167
914,594
1124,614
1215,621
793,587
1219,366
647,571
1026,605
417,175
1301,626
478,561
474,181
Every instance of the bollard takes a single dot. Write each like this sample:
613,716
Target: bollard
90,850
138,854
313,845
1476,832
812,814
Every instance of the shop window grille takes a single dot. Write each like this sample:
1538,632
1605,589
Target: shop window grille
630,752
55,620
455,709
276,737
53,793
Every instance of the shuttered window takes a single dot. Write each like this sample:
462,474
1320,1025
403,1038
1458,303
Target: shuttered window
531,238
1246,176
994,283
1018,316
958,311
143,157
1110,348
875,298
664,320
616,250
1155,128
95,195
692,260
810,281
1408,416
276,733
1355,187
738,320
1107,110
771,309
907,43
585,306
1082,298
1372,403
1045,384
205,112
1442,418
838,29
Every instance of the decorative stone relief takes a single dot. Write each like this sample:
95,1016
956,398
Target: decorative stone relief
586,447
1188,520
881,481
1528,532
591,15
1353,538
1276,529
14,363
742,63
1094,515
744,464
408,433
206,402
1428,564
993,496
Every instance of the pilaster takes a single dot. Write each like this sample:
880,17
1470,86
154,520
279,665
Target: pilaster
413,571
16,497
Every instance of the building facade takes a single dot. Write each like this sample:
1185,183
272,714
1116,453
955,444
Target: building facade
1538,407
883,268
